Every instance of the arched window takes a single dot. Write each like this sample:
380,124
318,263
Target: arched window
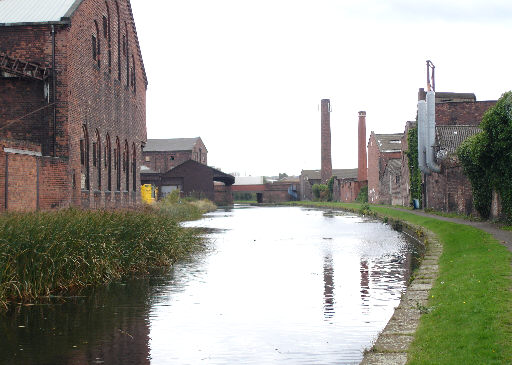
117,164
106,30
97,158
96,49
134,168
127,56
108,162
118,43
84,159
126,163
133,74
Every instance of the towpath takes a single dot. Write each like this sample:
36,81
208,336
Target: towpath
505,237
392,344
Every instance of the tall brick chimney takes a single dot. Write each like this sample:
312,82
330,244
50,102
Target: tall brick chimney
326,172
362,169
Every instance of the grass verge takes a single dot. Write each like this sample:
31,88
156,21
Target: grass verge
470,309
48,253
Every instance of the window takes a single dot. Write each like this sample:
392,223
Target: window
96,45
134,168
93,41
84,159
126,164
148,159
106,33
97,150
105,27
108,162
172,158
117,164
94,154
118,43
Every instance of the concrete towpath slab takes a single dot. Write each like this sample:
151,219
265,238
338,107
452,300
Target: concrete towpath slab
392,344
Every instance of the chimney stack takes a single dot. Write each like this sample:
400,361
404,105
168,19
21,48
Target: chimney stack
362,169
326,171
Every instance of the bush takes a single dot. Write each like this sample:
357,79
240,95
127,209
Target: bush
320,192
362,197
487,158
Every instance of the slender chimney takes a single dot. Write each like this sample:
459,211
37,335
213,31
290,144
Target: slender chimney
326,172
362,169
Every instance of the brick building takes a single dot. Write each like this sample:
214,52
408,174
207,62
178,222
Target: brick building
162,155
73,104
457,117
347,182
405,176
192,179
382,149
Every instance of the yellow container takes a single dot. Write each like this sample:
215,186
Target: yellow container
147,193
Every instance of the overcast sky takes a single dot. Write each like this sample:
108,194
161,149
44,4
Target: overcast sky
248,76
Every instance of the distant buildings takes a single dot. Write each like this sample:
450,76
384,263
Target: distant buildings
444,187
181,164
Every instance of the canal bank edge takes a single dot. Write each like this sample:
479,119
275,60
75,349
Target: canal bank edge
392,344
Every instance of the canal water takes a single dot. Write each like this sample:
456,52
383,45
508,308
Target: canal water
283,285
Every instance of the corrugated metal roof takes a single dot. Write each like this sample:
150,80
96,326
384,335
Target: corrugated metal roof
449,137
339,173
173,144
389,142
34,11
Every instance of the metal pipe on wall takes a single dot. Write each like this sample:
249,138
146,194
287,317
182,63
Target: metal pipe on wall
431,132
54,94
422,131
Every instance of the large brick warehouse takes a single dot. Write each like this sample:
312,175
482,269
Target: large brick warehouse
72,104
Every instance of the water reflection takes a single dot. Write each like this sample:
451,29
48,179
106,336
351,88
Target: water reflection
109,326
279,286
328,287
365,282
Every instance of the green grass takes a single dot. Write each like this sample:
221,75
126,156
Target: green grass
47,253
470,316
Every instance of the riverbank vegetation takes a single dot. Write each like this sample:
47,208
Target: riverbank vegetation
48,253
486,158
469,313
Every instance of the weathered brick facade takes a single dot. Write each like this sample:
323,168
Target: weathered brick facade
381,149
325,134
99,128
405,177
164,160
450,190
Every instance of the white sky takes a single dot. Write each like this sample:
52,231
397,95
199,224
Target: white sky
247,76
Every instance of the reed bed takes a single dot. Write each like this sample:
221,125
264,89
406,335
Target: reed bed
47,253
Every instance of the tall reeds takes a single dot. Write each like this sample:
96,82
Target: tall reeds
46,253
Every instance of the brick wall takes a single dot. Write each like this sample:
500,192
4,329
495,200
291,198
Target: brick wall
347,191
373,169
223,194
107,100
325,133
164,161
461,113
405,179
449,190
99,102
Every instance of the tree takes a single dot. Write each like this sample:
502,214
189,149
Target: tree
487,158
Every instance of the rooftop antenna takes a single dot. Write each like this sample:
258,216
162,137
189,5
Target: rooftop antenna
431,79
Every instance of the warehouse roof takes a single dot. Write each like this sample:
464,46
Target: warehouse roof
36,11
173,144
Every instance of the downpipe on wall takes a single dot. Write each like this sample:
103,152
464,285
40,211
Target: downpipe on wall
431,132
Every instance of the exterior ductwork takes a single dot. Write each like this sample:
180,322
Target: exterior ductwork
422,136
431,132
